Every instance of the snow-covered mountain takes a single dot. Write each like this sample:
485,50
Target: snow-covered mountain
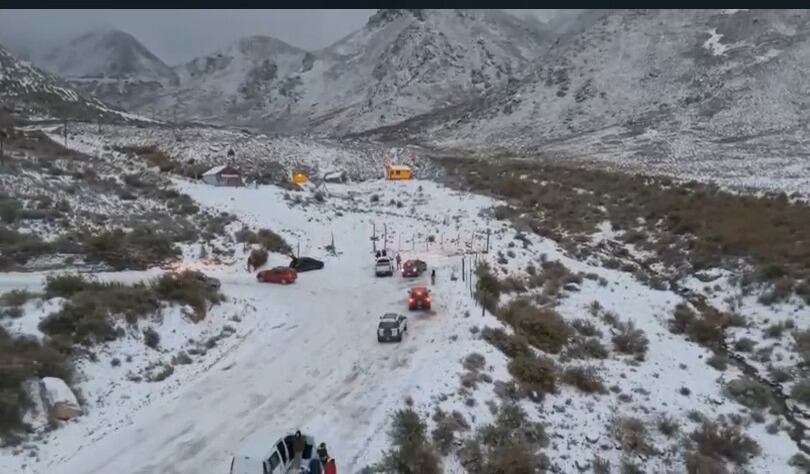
663,86
111,65
251,76
28,91
400,64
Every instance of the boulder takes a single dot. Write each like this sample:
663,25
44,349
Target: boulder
60,399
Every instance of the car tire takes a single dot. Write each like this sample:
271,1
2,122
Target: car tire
379,339
399,339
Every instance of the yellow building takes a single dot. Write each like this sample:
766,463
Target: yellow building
395,172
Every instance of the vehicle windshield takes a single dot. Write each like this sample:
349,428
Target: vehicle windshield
388,324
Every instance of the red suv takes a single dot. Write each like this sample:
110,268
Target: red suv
419,298
281,275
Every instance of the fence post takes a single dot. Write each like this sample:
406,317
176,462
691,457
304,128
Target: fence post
463,271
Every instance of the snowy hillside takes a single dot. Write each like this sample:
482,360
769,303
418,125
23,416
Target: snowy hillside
26,90
608,379
665,90
401,63
109,64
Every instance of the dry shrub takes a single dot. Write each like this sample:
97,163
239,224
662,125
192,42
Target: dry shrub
535,374
720,226
474,362
584,378
542,327
513,284
446,427
632,435
631,341
723,441
749,392
802,343
801,391
590,348
510,344
668,426
586,328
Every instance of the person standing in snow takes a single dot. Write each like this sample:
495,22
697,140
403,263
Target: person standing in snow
398,261
329,466
299,443
433,277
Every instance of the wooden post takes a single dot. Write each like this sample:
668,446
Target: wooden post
463,272
374,237
385,237
66,133
489,231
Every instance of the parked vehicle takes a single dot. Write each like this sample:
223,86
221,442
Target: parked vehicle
305,264
283,275
413,268
279,460
384,266
418,298
391,327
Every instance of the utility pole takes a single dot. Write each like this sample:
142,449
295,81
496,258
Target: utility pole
374,237
65,132
463,273
99,124
385,237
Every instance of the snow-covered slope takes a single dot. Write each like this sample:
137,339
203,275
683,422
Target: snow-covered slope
27,91
401,63
109,64
660,86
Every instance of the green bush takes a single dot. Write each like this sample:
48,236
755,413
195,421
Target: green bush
66,285
258,257
9,210
268,239
23,359
15,298
410,452
188,287
487,288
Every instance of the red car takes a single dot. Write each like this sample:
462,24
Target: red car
283,275
419,298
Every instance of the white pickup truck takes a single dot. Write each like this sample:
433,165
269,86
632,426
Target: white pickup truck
384,266
279,459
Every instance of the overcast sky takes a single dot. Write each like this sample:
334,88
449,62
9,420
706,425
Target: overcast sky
176,36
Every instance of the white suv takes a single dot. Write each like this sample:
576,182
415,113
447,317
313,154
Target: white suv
391,327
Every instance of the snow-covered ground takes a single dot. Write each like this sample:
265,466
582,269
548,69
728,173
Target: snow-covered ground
305,355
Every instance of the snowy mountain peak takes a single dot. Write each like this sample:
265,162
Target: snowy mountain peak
384,16
265,46
105,53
